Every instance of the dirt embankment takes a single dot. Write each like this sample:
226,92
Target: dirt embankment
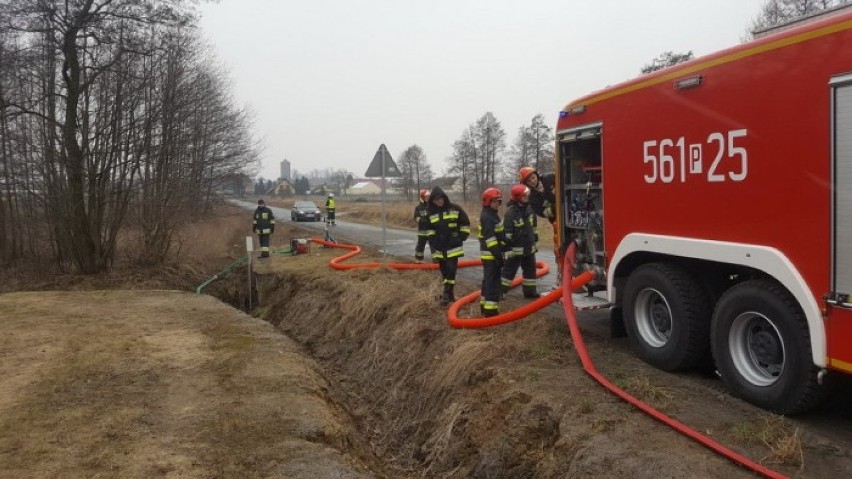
161,384
502,403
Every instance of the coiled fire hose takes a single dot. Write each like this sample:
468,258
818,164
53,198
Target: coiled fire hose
568,285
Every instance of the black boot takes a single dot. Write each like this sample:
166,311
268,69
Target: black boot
487,313
532,294
448,297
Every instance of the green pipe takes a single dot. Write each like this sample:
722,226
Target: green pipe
232,266
221,274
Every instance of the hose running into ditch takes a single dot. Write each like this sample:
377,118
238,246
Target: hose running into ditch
227,269
569,284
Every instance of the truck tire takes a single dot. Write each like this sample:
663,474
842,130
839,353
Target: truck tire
762,347
667,316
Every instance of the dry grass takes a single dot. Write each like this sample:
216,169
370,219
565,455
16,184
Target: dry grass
784,442
644,389
144,384
200,250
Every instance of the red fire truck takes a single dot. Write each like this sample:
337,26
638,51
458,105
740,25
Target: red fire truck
714,200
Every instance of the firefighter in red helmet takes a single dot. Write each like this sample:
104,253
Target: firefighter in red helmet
521,241
542,200
491,244
421,218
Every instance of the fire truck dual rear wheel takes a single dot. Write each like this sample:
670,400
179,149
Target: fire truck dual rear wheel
667,316
762,348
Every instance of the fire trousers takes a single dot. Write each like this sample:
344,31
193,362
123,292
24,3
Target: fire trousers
490,294
527,265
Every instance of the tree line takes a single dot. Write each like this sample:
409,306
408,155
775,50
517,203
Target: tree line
115,125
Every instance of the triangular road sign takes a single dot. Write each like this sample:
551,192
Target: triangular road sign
375,168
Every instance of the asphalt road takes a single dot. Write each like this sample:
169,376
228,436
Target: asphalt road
400,243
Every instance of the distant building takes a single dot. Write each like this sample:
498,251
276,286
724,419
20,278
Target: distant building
323,189
450,184
281,189
365,187
285,171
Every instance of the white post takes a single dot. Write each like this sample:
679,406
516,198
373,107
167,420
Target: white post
249,250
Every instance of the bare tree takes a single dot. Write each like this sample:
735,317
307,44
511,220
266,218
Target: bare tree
520,154
108,110
416,170
341,180
776,12
463,158
665,60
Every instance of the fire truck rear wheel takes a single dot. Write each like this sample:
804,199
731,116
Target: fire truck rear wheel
762,348
667,316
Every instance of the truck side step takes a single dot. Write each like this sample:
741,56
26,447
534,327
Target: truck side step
584,302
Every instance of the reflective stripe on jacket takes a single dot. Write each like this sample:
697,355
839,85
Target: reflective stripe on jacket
264,221
491,235
520,224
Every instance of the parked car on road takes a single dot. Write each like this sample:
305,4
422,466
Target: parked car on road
305,211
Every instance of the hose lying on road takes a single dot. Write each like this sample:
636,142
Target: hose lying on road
569,284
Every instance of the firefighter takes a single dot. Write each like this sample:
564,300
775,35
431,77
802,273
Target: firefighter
421,217
542,200
329,210
263,226
520,224
449,227
491,244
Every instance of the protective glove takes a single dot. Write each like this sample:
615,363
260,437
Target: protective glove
499,259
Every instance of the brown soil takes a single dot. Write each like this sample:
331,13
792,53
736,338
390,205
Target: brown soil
145,384
366,381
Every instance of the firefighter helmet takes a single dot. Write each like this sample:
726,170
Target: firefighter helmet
490,195
331,195
525,172
424,195
518,192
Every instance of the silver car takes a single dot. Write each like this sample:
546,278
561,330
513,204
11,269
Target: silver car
305,211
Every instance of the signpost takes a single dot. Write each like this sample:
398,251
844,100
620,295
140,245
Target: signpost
383,166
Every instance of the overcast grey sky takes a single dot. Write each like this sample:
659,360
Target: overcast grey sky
331,80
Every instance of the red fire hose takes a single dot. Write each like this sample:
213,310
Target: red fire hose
568,285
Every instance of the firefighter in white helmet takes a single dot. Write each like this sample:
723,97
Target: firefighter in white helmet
329,210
